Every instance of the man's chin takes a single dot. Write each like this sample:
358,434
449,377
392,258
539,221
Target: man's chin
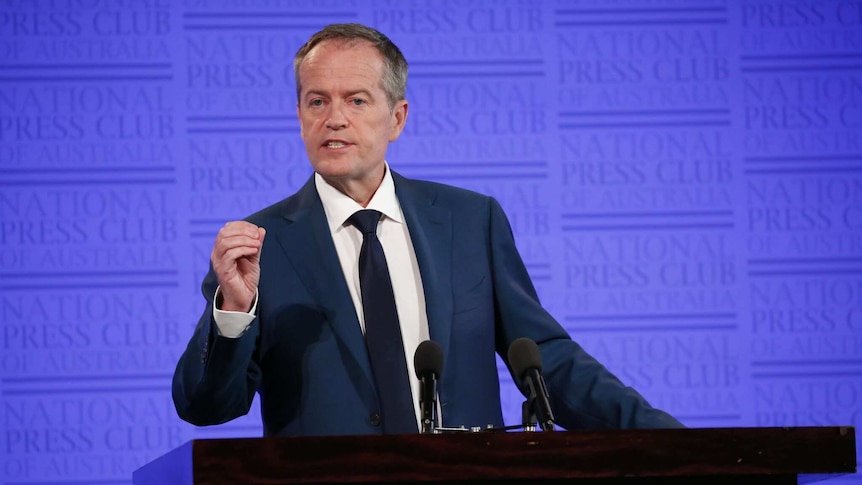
334,170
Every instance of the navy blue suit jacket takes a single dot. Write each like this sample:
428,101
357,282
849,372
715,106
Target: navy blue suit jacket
305,353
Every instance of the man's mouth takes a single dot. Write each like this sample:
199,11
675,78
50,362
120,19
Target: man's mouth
335,144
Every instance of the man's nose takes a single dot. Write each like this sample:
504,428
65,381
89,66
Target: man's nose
336,119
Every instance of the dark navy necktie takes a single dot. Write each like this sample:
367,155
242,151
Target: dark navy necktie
382,330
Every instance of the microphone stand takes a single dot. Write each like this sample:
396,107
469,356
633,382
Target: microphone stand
528,420
528,417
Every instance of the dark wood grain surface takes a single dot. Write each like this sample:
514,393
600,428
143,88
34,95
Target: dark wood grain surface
767,455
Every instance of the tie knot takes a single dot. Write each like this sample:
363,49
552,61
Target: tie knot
366,220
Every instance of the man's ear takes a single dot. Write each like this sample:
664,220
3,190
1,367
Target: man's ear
399,118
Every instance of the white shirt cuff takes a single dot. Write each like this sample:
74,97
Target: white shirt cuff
233,324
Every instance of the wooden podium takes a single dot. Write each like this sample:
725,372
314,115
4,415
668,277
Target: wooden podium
676,456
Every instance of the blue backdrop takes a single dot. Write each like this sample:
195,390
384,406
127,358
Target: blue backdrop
684,179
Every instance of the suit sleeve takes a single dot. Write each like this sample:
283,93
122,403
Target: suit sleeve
584,394
216,377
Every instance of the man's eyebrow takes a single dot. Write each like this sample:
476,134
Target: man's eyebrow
366,92
313,92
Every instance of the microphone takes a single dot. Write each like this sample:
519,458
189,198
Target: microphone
526,361
428,364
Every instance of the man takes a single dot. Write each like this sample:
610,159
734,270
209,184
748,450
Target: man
289,319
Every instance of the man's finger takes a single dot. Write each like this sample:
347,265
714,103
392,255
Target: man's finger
236,253
234,228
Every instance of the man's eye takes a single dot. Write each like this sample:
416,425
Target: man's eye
316,102
358,102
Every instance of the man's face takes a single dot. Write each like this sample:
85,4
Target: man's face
345,120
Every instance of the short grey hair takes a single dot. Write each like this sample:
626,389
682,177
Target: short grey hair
395,66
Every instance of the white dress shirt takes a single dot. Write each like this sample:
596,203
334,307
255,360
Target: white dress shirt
400,257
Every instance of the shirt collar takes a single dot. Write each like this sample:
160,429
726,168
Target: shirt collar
339,207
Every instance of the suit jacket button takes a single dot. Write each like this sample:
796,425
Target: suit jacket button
375,419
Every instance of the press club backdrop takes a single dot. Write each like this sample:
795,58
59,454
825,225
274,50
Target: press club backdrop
684,179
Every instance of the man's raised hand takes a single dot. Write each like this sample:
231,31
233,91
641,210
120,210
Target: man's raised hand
236,262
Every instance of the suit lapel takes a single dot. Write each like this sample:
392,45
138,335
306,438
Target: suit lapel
430,229
307,243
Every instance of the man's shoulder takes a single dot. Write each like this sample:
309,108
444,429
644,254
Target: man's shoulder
299,200
440,192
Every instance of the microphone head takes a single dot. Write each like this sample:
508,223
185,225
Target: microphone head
523,355
428,358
